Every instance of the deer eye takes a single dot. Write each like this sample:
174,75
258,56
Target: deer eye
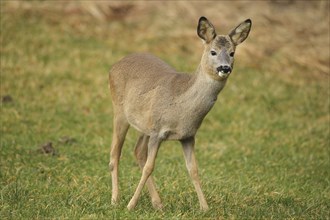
213,53
232,54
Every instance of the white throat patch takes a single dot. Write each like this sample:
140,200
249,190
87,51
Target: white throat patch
223,75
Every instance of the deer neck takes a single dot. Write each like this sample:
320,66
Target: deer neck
200,97
204,88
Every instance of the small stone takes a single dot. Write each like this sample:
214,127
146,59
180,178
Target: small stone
6,99
48,148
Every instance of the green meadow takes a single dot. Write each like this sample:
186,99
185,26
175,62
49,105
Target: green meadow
263,150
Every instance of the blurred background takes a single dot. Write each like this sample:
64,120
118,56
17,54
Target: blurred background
288,36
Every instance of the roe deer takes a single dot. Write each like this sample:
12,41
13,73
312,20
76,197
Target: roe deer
163,104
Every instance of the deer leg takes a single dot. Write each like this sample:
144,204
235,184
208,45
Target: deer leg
153,146
119,132
189,155
141,153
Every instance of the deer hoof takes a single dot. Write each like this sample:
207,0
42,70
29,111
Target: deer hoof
204,208
131,206
157,205
114,202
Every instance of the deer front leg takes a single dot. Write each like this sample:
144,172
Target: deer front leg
189,155
153,146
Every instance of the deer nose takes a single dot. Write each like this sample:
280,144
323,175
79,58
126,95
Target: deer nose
224,69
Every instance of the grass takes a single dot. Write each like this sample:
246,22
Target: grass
263,150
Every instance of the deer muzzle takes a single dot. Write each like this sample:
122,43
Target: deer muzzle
224,71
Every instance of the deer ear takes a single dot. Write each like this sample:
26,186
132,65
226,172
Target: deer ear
205,30
241,32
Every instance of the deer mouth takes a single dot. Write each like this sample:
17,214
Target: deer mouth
223,74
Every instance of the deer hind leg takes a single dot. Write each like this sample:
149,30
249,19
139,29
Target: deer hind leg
141,154
188,150
153,146
120,127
